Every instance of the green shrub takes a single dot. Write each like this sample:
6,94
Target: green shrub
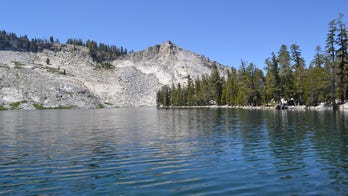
100,106
63,107
39,106
104,65
15,105
55,70
18,65
52,69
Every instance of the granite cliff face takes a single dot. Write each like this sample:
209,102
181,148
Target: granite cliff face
68,77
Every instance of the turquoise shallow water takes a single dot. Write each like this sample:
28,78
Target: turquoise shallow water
147,151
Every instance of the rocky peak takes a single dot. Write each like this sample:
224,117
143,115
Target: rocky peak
167,49
168,45
163,51
133,81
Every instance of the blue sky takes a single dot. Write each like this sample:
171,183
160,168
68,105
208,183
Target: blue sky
223,30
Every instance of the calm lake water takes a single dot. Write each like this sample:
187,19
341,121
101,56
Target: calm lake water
173,152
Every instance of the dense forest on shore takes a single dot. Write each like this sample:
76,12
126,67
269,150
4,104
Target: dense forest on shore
287,77
100,52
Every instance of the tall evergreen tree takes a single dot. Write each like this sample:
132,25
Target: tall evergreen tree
286,75
319,57
216,86
224,91
259,81
190,91
243,91
198,100
342,71
205,90
330,49
299,67
273,87
231,87
163,96
318,79
254,82
316,84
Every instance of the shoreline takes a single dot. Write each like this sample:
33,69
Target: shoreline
343,107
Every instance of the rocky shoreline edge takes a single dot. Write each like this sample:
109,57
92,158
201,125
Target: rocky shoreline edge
321,107
343,107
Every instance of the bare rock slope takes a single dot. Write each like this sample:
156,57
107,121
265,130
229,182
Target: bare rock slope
68,77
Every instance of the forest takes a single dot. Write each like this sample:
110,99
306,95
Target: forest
285,76
100,52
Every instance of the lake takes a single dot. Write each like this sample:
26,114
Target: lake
148,151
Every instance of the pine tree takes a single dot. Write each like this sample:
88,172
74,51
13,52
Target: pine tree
299,67
251,84
174,96
198,95
231,87
205,90
243,91
330,49
33,46
163,96
224,92
342,71
285,73
51,39
259,82
216,86
272,88
190,91
317,80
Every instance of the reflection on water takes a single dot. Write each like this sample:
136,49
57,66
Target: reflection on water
179,151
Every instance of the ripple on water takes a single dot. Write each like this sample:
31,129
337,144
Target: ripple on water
179,152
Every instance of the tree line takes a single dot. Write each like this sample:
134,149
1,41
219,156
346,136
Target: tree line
286,77
100,52
10,41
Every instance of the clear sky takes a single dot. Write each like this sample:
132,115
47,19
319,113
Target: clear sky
223,30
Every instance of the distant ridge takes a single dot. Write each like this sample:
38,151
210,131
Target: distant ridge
68,75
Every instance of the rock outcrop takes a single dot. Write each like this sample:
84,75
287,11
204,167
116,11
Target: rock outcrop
68,77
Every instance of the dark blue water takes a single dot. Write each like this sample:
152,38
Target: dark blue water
173,152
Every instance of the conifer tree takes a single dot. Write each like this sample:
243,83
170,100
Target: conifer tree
251,85
198,94
190,91
231,87
259,82
330,49
342,71
243,91
51,39
224,92
216,86
285,73
317,80
272,88
299,76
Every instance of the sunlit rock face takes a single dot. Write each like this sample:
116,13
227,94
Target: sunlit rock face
68,76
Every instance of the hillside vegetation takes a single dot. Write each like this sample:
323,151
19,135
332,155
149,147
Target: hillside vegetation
287,78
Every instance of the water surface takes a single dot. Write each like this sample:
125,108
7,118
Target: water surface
175,152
